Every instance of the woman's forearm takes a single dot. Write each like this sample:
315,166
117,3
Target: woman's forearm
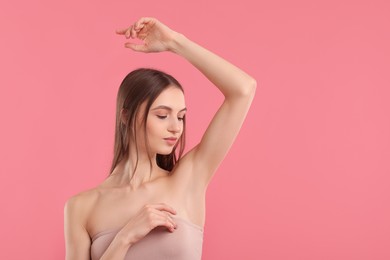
231,81
117,250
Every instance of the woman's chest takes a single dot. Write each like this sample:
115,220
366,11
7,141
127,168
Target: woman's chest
184,243
114,208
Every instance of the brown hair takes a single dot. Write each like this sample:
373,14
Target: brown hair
140,85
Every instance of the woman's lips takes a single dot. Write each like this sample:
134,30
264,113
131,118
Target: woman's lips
171,140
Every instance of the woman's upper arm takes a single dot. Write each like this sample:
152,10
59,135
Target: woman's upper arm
77,240
219,136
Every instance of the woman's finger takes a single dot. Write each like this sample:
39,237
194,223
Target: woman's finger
121,31
136,47
125,32
136,25
168,222
165,207
163,221
167,218
162,218
142,22
139,27
132,33
132,30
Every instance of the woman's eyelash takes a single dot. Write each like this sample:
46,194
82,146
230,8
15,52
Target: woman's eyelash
162,117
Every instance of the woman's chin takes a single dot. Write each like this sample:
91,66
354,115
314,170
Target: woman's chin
165,151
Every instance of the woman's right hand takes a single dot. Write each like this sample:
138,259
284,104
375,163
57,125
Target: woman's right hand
149,217
157,36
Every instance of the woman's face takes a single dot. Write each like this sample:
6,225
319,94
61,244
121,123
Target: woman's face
164,125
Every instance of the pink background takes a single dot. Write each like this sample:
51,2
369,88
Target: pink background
308,176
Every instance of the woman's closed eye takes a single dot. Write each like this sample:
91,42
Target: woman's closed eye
162,117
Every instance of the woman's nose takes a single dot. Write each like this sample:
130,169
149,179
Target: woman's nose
174,126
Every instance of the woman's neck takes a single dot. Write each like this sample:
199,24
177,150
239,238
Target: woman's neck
144,173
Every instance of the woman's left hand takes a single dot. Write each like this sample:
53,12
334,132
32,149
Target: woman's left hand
157,36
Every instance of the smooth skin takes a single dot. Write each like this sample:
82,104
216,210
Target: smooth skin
144,205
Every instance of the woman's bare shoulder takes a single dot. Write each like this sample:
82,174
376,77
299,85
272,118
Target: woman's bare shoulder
83,200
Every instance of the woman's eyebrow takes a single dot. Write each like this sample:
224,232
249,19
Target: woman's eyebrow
167,108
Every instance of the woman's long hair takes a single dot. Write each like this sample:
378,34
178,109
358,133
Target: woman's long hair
140,85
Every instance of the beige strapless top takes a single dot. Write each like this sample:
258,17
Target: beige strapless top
184,243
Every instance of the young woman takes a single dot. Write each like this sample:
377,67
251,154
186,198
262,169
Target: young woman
152,205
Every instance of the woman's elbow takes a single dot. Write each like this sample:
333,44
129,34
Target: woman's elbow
250,89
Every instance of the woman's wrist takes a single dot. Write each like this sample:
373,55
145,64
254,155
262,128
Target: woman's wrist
125,240
176,43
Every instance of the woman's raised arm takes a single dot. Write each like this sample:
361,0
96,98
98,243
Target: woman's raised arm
236,85
238,89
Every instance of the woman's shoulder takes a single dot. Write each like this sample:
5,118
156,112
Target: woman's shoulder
77,210
83,200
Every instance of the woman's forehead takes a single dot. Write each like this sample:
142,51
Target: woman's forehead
170,99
